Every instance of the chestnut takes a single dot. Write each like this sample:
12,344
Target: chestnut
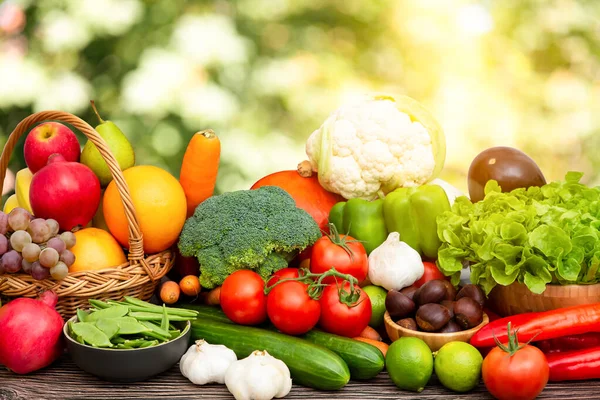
432,291
432,316
409,292
468,313
408,323
449,304
472,291
398,305
450,290
450,327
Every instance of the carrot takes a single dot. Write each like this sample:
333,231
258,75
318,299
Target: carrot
199,168
370,333
190,285
169,292
213,298
383,347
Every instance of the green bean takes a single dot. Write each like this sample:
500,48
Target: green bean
117,340
111,312
123,346
155,328
154,335
91,335
149,307
149,343
98,304
148,316
164,322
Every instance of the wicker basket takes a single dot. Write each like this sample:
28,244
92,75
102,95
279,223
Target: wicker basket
138,277
517,298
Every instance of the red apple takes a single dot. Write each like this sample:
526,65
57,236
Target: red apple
64,190
47,139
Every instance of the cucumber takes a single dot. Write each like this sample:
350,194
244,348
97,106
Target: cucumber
207,312
364,360
310,364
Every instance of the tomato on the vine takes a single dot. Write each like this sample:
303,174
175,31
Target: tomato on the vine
283,273
343,252
243,299
291,309
515,372
431,272
345,311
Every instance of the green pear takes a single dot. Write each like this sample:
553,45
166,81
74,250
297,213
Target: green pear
118,144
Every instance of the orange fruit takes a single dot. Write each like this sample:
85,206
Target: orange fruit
159,203
96,249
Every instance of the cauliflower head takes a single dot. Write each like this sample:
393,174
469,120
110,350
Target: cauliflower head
376,145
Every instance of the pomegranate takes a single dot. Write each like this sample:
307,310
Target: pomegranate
31,336
66,191
305,188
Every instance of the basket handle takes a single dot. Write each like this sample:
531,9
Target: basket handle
136,241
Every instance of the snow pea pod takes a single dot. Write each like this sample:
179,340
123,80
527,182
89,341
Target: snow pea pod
109,326
155,328
82,315
111,312
91,335
130,326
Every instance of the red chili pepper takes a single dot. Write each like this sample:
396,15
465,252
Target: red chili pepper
570,343
573,320
574,365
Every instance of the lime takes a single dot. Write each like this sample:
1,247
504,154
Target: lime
409,363
458,366
377,296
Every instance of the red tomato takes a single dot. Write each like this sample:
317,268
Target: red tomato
326,254
521,376
243,298
291,309
339,318
284,273
431,272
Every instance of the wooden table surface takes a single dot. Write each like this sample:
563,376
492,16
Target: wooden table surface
64,381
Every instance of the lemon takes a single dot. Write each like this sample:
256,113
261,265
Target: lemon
409,363
377,296
458,366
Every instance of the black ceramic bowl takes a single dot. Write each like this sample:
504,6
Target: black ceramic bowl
128,365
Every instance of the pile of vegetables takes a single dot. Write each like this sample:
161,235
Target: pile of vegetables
260,229
535,236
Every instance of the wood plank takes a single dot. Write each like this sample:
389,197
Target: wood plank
64,381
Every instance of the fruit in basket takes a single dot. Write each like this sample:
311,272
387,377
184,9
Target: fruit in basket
47,139
118,144
510,167
31,336
95,249
458,366
98,220
159,203
68,192
11,203
305,189
23,180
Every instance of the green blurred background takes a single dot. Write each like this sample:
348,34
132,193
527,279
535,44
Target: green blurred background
264,74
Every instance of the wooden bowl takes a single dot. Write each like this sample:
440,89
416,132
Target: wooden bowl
517,298
434,340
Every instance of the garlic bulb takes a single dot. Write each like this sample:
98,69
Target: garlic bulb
206,363
394,264
259,376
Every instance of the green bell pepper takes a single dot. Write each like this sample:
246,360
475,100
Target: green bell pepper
361,219
412,212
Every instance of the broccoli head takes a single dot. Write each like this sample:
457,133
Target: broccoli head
258,229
